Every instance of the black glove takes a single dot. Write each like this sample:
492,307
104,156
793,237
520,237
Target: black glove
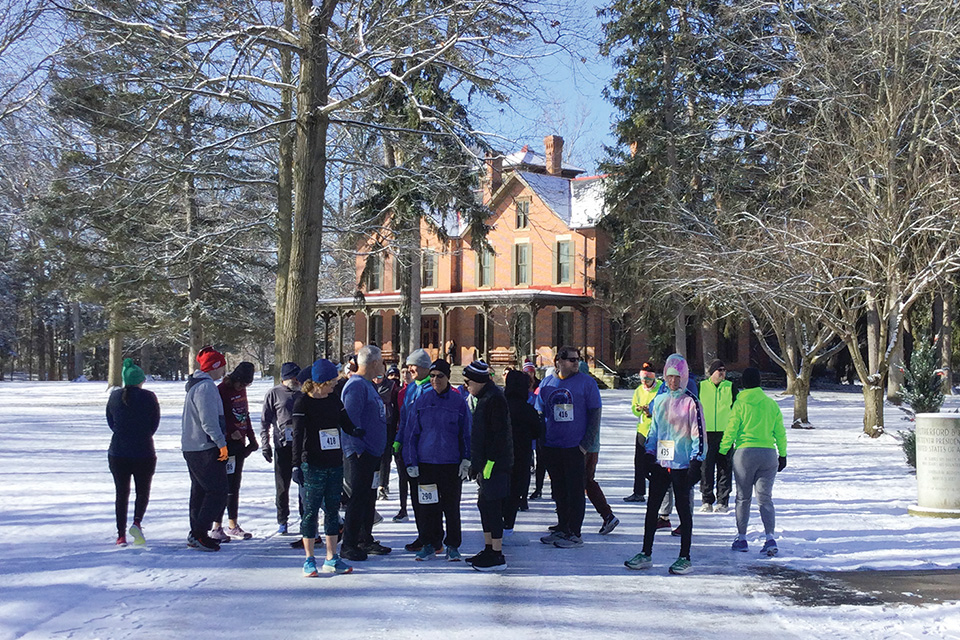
250,448
649,464
297,475
693,473
781,463
359,432
267,453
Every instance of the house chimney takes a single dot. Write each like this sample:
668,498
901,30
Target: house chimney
553,150
494,172
634,147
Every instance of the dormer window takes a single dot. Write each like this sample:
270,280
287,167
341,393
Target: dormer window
523,213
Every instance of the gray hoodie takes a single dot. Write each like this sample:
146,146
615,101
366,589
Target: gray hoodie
203,421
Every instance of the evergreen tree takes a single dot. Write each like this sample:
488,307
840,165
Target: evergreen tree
922,389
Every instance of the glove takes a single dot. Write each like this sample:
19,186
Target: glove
359,432
693,474
223,454
297,475
396,447
253,446
650,463
414,471
268,453
781,463
487,469
464,469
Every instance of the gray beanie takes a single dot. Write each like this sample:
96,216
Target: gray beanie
420,358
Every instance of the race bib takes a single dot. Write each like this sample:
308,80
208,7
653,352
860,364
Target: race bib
231,464
563,413
329,439
376,480
666,450
288,434
429,494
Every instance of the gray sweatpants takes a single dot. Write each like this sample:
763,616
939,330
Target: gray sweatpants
755,467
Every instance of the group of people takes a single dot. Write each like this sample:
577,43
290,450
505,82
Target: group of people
335,433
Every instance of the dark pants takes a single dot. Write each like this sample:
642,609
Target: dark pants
640,465
519,485
567,480
403,480
208,488
541,468
408,483
660,480
431,519
714,461
237,449
141,469
594,492
358,473
282,473
322,487
385,461
490,503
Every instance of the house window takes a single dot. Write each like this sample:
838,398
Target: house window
564,266
562,328
521,264
374,272
375,330
429,263
484,268
523,214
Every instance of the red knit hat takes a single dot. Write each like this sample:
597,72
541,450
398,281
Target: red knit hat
210,359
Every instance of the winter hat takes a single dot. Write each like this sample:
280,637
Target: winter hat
714,365
528,367
516,385
419,358
393,369
647,367
289,370
210,359
132,375
442,366
750,378
304,374
478,371
323,371
243,373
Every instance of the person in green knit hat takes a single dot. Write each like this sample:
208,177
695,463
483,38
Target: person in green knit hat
756,429
133,415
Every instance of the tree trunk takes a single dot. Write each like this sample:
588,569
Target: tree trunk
38,337
946,340
54,361
895,377
801,394
297,336
77,336
415,265
680,333
284,194
146,358
708,337
873,409
115,368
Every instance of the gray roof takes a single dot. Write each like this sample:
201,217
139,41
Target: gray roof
578,202
527,156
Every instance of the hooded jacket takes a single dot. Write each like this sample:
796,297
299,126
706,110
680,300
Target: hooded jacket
756,422
203,422
525,423
278,413
677,417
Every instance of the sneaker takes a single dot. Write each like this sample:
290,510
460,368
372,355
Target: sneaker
375,549
681,567
536,495
676,532
219,535
353,553
414,546
453,554
377,518
639,561
310,568
401,516
192,542
203,543
609,524
237,532
426,552
571,541
335,565
739,545
476,557
635,497
720,508
706,507
282,529
663,523
769,548
490,561
137,534
382,494
551,537
553,527
122,541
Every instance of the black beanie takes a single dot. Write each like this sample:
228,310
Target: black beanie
750,378
243,374
714,365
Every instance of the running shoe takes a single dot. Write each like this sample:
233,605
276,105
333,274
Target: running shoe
137,534
639,561
609,524
739,545
310,568
681,567
426,552
237,532
336,565
769,548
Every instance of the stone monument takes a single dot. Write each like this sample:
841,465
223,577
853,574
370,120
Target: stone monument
938,465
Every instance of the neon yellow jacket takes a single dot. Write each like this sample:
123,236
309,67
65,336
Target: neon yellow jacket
717,401
643,397
756,422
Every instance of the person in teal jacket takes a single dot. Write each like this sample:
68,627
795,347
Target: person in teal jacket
756,429
717,395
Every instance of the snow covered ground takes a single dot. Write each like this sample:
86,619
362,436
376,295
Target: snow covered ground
841,505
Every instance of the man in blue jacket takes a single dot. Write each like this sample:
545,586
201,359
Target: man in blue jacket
418,366
361,455
437,453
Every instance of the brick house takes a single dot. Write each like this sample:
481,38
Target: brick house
529,296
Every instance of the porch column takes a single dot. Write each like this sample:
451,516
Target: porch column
585,314
533,332
339,335
326,335
443,332
486,333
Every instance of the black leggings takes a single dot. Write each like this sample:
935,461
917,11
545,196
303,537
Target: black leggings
141,469
238,450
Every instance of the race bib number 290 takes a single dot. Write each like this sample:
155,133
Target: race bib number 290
429,494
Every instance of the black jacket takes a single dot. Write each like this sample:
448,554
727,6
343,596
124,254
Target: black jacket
491,437
310,417
134,423
525,422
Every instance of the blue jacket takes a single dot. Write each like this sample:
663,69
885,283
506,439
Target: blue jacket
414,390
365,410
439,429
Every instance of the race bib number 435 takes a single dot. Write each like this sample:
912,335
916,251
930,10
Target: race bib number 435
666,450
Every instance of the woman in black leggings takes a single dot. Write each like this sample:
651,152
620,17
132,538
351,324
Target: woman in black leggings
133,415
